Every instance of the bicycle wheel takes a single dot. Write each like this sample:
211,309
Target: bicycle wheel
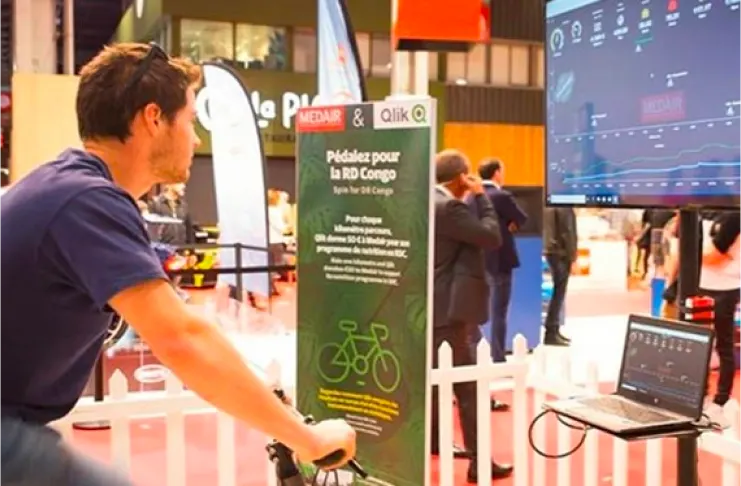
386,371
334,363
116,330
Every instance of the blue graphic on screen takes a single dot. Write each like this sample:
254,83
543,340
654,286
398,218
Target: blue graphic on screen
339,74
643,102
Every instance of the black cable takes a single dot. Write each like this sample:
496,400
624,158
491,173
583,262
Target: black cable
708,425
573,426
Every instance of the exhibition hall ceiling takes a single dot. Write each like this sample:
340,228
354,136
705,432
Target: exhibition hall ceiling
6,19
95,23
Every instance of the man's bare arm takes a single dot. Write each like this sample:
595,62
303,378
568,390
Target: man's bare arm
206,362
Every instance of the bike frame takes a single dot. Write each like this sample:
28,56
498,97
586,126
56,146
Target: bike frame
287,469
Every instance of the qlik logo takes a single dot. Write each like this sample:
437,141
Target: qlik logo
400,115
419,113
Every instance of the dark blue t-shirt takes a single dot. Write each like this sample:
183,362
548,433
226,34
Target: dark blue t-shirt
71,239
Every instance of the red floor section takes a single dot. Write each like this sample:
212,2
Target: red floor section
148,453
148,436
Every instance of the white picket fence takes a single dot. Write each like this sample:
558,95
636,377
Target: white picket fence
550,382
525,372
120,407
484,373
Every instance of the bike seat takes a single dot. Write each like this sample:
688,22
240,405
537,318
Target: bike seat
348,326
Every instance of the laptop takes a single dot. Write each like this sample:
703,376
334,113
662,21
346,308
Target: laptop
663,377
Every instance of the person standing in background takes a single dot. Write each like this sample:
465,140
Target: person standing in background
284,203
461,292
670,245
171,203
501,262
559,246
142,205
720,274
289,233
653,219
276,229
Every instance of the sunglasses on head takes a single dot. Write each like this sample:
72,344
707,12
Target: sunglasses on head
155,52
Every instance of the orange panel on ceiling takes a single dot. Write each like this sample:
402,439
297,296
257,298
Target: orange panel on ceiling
441,20
520,147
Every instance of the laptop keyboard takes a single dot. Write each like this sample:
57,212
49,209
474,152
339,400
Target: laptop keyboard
625,409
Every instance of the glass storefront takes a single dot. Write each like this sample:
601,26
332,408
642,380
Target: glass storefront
202,40
261,47
247,46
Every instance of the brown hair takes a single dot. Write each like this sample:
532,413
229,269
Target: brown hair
108,98
449,164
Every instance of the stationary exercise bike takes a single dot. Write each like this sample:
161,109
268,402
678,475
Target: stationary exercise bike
289,472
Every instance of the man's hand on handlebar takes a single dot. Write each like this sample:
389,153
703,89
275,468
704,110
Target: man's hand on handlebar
334,444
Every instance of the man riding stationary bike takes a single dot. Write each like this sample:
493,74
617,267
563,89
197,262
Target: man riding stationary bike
75,249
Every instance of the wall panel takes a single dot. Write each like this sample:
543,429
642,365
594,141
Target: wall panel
366,15
486,104
518,19
520,147
44,120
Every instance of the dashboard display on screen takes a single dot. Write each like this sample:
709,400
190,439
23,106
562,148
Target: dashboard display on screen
643,103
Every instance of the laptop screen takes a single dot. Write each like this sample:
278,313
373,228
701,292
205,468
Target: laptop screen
665,364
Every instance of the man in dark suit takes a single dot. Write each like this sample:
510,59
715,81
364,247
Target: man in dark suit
461,292
171,203
500,263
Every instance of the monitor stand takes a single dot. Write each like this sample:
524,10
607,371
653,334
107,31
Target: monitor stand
686,436
687,286
687,459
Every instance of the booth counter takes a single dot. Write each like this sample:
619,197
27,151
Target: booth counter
602,256
601,264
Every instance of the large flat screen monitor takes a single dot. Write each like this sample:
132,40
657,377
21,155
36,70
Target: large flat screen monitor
643,103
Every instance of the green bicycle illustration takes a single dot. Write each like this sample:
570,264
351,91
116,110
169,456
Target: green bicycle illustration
336,361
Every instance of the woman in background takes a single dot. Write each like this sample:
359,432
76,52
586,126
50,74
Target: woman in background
720,274
653,219
276,229
286,210
670,243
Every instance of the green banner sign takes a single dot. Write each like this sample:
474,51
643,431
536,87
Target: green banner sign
364,206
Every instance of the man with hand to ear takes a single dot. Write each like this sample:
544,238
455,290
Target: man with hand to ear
461,292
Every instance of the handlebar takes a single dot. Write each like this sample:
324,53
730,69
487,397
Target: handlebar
282,454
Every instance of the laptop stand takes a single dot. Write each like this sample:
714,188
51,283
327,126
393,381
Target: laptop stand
686,436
